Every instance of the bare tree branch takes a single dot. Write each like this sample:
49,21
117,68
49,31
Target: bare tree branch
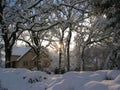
35,4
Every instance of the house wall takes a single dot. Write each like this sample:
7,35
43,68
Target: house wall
26,61
14,57
45,62
29,59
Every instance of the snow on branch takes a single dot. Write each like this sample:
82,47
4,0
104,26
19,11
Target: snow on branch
98,40
43,28
36,3
74,7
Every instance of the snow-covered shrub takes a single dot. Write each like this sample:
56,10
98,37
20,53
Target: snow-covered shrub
34,80
56,71
35,76
108,78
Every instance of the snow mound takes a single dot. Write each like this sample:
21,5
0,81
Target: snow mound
94,85
97,80
35,76
117,79
114,87
78,74
71,83
113,73
22,79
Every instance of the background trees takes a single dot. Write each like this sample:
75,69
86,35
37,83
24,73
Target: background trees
110,9
9,23
92,23
18,16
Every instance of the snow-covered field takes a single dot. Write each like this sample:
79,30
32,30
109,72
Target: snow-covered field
23,79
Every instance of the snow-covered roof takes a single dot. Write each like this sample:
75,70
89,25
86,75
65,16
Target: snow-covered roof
16,50
20,51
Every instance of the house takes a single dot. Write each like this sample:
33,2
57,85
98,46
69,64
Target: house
24,57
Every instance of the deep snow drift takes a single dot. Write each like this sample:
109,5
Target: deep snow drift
22,79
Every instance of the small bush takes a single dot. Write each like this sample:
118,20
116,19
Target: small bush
108,78
57,71
34,80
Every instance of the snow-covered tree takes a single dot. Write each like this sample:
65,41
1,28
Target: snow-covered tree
110,9
90,33
9,14
75,13
18,16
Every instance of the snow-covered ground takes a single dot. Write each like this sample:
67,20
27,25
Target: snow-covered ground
23,79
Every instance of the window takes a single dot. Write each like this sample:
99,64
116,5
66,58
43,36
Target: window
25,63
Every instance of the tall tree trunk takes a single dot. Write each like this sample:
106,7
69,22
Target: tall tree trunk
78,58
1,12
82,59
5,38
60,57
8,63
7,45
37,63
68,49
60,50
9,42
